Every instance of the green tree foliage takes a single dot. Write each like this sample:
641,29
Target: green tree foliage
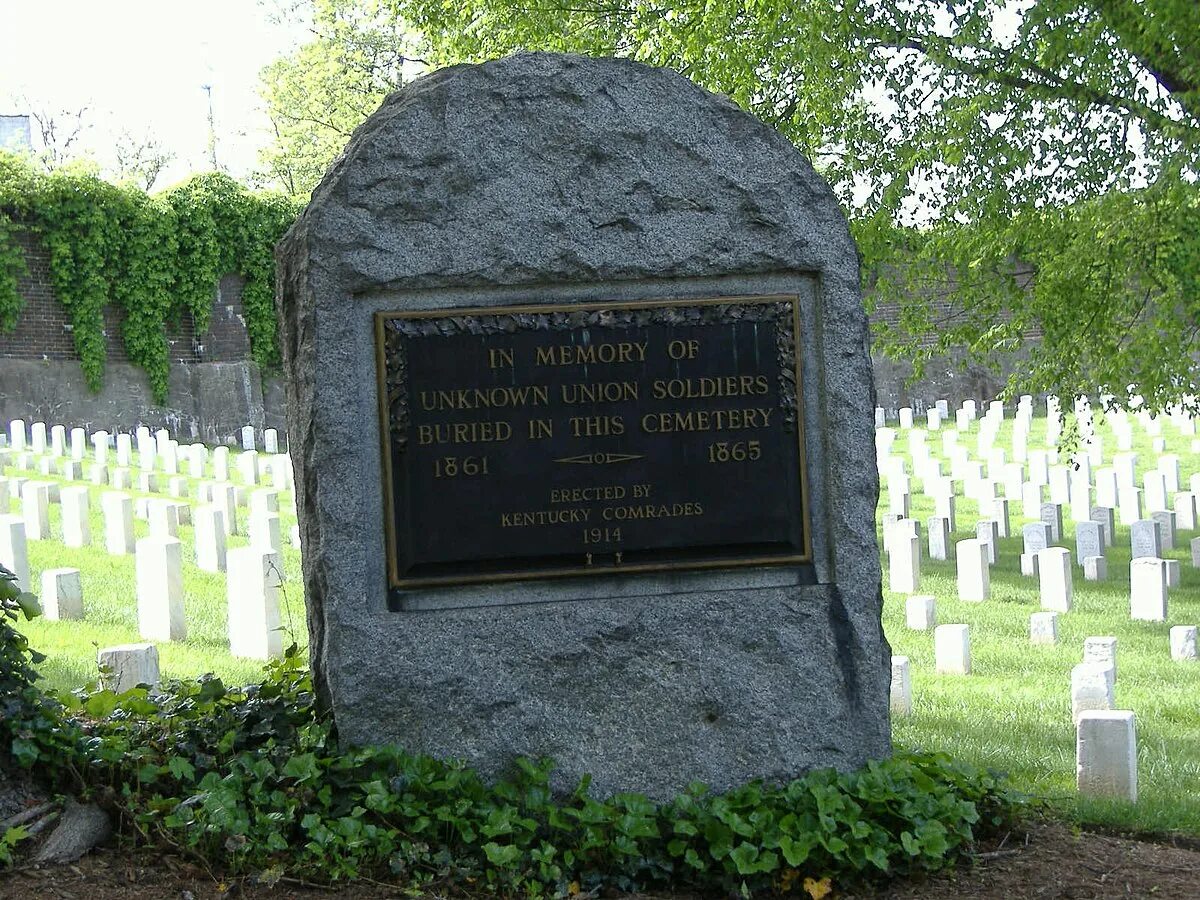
960,137
317,96
155,257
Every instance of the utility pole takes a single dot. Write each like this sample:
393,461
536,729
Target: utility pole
212,129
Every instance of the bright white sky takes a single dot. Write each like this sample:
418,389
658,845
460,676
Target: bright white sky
139,65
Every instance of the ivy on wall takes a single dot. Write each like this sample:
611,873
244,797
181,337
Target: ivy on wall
153,256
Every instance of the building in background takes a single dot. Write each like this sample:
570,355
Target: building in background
15,134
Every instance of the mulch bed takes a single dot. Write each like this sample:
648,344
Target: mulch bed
1046,860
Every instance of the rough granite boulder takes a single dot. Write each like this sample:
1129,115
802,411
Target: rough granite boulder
549,178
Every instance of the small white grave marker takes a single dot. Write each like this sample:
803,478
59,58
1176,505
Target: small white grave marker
1106,754
1043,628
62,594
901,693
14,553
126,666
920,612
1183,642
1091,688
952,649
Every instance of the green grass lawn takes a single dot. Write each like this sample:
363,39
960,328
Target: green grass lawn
1013,712
110,604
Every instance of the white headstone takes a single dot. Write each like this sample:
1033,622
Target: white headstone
920,612
1091,688
1054,578
164,518
78,444
1129,504
62,594
1106,755
1164,519
248,437
952,649
14,553
1183,642
128,665
1145,539
100,446
37,437
904,563
35,509
1101,650
159,575
253,596
1148,589
16,435
271,440
1051,514
974,579
266,534
1107,518
58,440
124,450
906,417
1095,568
939,538
75,526
210,539
1043,628
1089,539
1185,511
1172,568
118,523
220,461
224,497
197,460
901,693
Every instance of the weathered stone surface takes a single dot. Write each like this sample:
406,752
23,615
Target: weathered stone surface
80,828
544,178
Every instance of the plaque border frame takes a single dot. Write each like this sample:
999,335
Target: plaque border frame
396,582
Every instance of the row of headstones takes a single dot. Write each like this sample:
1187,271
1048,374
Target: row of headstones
253,575
251,467
215,519
1106,744
39,439
968,412
1115,486
1151,576
1149,537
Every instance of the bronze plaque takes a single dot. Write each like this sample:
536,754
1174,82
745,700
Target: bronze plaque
538,441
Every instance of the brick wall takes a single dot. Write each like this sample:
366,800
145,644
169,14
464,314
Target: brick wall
44,327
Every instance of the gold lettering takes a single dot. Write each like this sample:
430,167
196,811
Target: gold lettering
587,354
706,420
464,433
601,392
596,426
486,398
541,428
704,388
500,358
